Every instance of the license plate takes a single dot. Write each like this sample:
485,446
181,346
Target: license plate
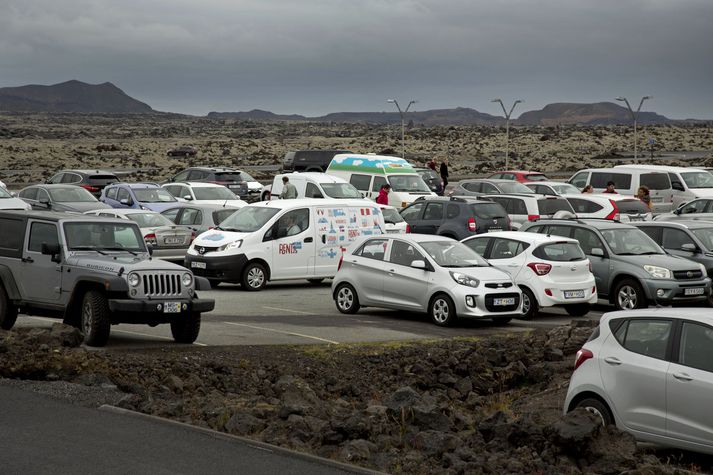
574,294
173,240
657,200
494,230
198,265
503,302
694,291
172,307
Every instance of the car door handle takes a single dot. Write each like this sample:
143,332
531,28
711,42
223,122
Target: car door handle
27,259
513,265
613,361
308,239
682,377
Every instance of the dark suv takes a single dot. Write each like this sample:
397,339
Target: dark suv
457,218
93,181
309,160
237,181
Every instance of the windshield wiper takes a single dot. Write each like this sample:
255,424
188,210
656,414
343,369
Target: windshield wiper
87,248
648,253
120,249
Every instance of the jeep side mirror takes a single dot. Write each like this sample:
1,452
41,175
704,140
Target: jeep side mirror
598,251
149,247
420,264
689,247
51,250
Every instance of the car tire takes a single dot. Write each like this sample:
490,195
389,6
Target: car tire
442,310
529,304
598,408
578,309
214,283
315,281
8,312
254,277
628,295
185,330
95,318
346,299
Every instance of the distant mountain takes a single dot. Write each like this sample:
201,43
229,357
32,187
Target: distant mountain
71,96
600,113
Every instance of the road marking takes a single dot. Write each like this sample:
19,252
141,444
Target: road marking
289,310
283,332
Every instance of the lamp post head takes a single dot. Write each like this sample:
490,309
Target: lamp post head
647,97
619,98
391,101
497,100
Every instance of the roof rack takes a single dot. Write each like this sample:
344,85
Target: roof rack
576,219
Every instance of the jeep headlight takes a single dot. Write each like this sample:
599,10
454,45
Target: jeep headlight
134,279
463,279
186,279
658,272
231,245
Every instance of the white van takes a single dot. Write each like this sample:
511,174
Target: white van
369,172
281,240
627,181
314,185
687,183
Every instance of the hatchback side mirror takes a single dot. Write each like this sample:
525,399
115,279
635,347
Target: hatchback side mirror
45,202
420,264
126,201
598,251
188,197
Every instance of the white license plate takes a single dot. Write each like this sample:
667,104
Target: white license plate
173,240
198,265
694,291
172,307
494,230
574,294
503,302
657,200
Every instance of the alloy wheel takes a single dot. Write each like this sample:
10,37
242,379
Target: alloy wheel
440,310
256,277
345,298
627,298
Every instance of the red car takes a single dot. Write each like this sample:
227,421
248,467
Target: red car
520,175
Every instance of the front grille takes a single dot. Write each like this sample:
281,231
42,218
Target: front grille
501,308
162,285
687,274
501,285
205,249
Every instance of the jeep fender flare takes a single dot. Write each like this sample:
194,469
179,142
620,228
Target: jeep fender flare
8,281
109,284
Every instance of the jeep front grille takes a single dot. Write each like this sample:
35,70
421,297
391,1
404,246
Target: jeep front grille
162,285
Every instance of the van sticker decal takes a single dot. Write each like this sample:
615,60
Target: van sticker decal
379,165
328,252
291,248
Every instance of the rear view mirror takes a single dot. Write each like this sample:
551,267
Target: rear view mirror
420,264
188,197
598,251
690,247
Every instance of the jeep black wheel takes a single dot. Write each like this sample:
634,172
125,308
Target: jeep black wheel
254,276
186,329
96,318
8,312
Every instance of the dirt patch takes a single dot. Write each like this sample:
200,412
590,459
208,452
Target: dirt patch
490,405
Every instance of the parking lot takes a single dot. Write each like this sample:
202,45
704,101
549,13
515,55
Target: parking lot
296,312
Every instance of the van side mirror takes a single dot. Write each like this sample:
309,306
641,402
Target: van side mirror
420,264
598,251
689,247
51,249
677,186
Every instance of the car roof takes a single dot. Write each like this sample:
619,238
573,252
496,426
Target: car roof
199,205
311,202
316,176
451,199
53,215
525,172
532,238
690,224
489,180
548,182
704,315
125,211
197,184
213,169
54,186
87,171
419,238
621,169
589,222
660,168
601,196
522,195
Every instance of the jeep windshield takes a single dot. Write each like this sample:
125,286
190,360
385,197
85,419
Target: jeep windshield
248,219
630,242
93,236
408,184
72,194
453,254
153,195
214,193
340,190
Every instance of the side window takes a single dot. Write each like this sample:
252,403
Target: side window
183,191
413,212
559,230
404,254
111,193
360,182
675,239
71,178
183,176
540,229
652,232
504,202
56,179
373,249
474,187
42,233
197,175
676,183
580,179
452,211
434,212
11,234
647,337
311,191
123,194
29,194
695,347
506,249
293,222
588,240
190,216
488,188
508,176
379,181
697,206
518,206
42,195
479,245
584,206
171,213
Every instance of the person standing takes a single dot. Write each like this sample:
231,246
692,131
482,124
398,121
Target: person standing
444,173
644,195
289,192
431,164
383,198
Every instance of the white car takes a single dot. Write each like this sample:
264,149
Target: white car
552,188
7,201
394,222
550,270
205,193
650,372
609,206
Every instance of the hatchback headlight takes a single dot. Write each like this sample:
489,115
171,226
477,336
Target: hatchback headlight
463,279
134,279
186,279
231,245
658,272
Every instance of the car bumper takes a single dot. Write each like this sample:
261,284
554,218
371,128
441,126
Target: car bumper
223,269
558,291
137,308
481,305
675,290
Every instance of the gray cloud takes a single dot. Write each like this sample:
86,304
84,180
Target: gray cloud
318,56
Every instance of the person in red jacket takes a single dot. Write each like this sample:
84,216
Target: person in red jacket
383,198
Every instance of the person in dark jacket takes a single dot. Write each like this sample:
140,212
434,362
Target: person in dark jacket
431,164
383,198
444,173
610,188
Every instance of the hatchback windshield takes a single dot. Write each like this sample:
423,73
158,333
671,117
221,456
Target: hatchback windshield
340,190
453,254
70,195
149,220
408,183
698,179
104,236
630,242
248,219
153,195
391,216
565,189
706,236
214,193
514,187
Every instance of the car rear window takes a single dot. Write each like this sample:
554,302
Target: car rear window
536,177
552,205
559,252
656,181
621,180
391,216
229,176
488,210
632,206
102,179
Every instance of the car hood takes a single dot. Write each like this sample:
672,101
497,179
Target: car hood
80,206
483,274
702,192
254,185
158,207
217,238
14,203
662,260
114,262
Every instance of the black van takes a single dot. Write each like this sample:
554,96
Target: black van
309,160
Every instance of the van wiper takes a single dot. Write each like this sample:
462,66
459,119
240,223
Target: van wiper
87,248
120,249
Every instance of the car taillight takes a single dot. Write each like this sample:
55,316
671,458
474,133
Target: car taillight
532,217
582,356
90,188
615,212
540,268
472,227
150,239
408,228
594,289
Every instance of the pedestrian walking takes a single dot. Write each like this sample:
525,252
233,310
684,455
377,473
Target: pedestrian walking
289,192
383,198
444,173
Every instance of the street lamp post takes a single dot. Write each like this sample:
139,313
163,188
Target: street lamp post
401,113
507,125
634,117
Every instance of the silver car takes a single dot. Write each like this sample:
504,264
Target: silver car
424,273
650,373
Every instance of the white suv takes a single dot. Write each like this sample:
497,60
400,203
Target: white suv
609,206
550,270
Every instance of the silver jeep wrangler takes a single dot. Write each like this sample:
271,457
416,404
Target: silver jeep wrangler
92,272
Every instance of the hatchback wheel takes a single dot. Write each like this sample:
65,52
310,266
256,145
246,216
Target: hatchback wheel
529,304
346,299
629,295
598,408
254,277
442,310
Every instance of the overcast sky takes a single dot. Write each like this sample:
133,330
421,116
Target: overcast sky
317,56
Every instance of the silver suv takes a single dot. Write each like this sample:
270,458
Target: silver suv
92,272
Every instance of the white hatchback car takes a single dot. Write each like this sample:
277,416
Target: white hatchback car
394,222
612,206
650,372
424,273
550,270
204,193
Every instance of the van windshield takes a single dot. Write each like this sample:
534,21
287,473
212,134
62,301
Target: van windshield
342,190
698,179
248,219
409,184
